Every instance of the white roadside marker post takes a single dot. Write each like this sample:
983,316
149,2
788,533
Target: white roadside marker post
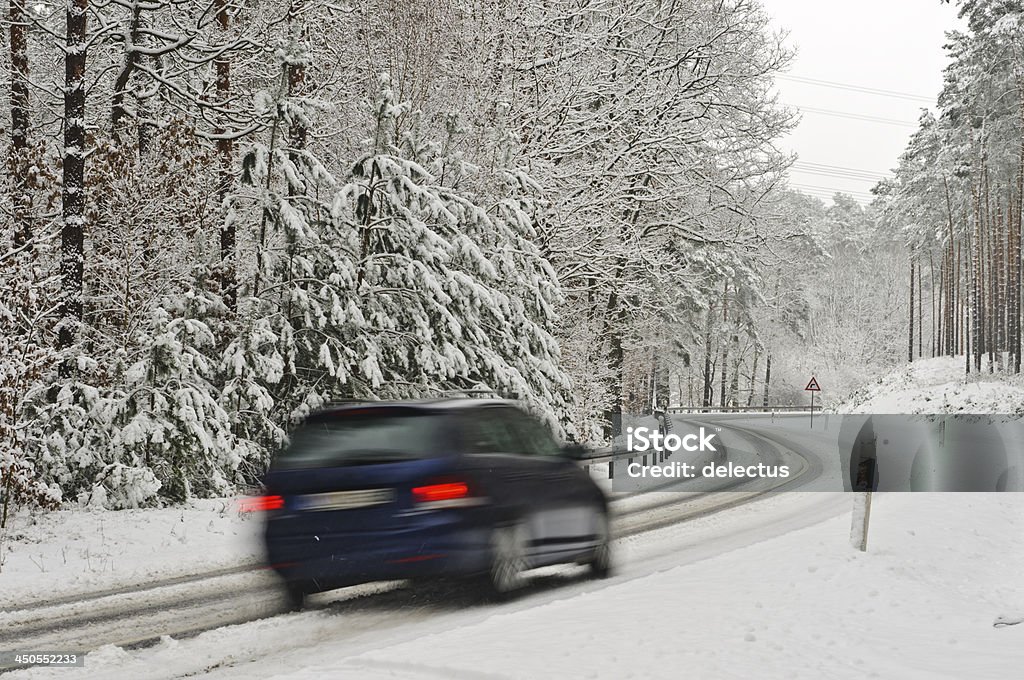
862,484
861,517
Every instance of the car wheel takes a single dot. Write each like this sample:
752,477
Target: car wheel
600,563
508,562
295,596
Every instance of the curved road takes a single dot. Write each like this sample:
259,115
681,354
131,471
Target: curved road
184,607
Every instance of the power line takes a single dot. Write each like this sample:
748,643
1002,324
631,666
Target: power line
838,174
855,116
859,88
835,175
826,166
841,171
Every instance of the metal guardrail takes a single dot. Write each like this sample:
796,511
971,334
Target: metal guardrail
609,455
743,409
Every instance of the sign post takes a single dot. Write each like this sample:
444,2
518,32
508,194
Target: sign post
812,387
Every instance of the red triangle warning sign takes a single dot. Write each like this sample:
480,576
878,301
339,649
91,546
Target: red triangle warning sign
813,385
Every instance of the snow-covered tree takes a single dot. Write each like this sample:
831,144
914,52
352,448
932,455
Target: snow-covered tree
552,199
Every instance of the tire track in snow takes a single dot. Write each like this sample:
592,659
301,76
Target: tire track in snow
182,607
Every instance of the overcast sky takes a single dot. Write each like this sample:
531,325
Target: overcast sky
893,45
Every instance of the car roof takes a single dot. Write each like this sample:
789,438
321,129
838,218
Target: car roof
426,405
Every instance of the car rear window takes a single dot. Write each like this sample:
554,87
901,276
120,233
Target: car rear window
362,438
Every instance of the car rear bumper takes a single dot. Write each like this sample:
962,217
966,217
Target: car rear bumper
323,562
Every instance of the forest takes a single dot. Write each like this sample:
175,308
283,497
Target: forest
222,215
957,198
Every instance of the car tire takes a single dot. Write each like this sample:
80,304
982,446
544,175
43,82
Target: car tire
508,562
600,562
295,596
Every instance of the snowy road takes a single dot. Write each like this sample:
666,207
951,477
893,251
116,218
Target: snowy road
365,619
767,587
184,607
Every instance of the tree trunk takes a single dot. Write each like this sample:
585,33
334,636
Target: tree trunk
708,374
1015,261
725,345
767,377
73,227
17,159
969,297
957,303
931,291
1013,283
616,356
734,384
724,377
977,302
616,314
296,74
999,285
939,310
920,314
753,376
131,59
910,350
951,294
990,312
225,176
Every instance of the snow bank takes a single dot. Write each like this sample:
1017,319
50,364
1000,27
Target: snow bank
714,598
46,555
938,386
920,604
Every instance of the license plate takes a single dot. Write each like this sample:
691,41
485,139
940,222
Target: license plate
345,500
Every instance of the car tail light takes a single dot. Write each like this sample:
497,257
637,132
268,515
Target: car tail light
261,503
444,493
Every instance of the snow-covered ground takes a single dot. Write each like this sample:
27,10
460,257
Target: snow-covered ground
937,386
710,599
46,555
767,590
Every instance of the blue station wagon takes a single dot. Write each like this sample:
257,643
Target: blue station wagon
475,489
